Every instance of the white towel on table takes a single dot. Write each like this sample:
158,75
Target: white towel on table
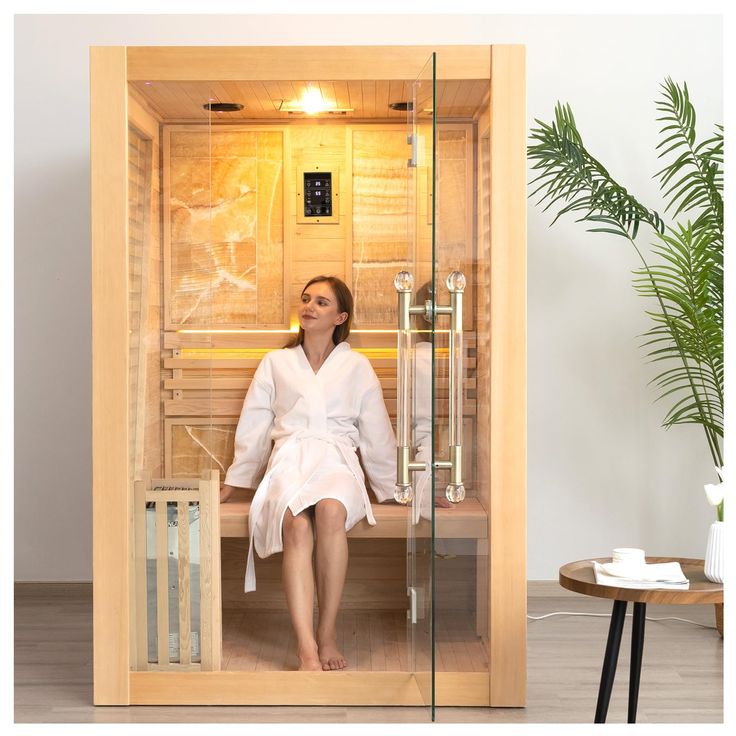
636,575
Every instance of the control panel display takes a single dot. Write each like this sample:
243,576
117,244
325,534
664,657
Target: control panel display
317,194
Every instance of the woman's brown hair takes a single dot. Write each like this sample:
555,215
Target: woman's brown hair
344,304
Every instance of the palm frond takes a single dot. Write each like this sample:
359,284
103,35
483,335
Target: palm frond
698,168
685,278
569,175
688,329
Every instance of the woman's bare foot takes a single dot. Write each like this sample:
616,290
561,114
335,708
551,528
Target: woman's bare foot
329,654
309,659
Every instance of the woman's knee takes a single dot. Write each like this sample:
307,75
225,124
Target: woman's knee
330,515
297,530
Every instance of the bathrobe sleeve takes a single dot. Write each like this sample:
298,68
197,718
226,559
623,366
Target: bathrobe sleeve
253,433
377,441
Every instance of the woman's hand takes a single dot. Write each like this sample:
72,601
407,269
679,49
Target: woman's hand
225,492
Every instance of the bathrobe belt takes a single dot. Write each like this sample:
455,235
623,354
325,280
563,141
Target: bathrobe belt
346,449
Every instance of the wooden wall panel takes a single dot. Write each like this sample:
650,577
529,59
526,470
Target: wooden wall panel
140,194
223,215
454,226
482,309
270,228
225,244
376,577
153,429
145,294
381,244
196,445
145,302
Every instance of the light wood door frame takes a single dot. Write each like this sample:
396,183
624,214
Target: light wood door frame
111,68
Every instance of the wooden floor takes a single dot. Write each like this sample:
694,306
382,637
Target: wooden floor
371,641
682,672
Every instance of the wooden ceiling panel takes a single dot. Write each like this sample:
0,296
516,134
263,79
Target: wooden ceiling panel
355,91
182,101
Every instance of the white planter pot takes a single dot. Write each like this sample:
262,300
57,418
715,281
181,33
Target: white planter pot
714,555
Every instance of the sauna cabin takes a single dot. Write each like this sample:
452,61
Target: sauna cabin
223,179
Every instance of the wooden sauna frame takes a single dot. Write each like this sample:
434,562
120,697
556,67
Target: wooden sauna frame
112,68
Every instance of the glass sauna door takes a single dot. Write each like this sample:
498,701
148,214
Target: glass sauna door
414,420
442,408
461,397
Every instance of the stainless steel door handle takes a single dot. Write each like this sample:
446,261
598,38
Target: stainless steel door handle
404,283
455,491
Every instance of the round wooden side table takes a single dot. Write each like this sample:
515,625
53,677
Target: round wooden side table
579,577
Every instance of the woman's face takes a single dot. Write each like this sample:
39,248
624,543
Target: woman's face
319,312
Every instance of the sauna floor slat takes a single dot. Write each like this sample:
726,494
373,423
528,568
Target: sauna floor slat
371,641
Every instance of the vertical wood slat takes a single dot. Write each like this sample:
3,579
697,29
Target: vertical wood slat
140,659
347,203
185,612
507,512
481,588
145,148
139,218
166,224
162,582
210,577
110,485
289,216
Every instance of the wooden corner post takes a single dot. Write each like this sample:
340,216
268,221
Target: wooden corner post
110,484
507,517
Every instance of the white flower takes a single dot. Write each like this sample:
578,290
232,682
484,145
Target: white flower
714,492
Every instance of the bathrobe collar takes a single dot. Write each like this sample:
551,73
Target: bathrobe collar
340,348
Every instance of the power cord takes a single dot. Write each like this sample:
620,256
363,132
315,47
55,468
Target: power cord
608,615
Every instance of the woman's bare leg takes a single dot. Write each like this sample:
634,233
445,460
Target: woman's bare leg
298,579
332,564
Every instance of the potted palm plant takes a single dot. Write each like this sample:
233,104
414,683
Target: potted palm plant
681,275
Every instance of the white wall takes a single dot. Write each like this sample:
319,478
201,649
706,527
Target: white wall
602,472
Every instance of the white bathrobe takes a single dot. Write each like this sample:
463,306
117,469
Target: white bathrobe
317,422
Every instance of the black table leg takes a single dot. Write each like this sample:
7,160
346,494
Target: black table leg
610,660
637,647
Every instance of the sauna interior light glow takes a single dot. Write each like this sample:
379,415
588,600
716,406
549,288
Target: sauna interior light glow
312,101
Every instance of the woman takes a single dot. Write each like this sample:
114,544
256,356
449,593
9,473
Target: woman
318,401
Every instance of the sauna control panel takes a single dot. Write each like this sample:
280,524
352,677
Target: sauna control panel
318,195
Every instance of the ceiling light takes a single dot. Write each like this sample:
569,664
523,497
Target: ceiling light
311,103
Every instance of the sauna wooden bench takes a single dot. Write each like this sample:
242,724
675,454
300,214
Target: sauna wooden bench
467,520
